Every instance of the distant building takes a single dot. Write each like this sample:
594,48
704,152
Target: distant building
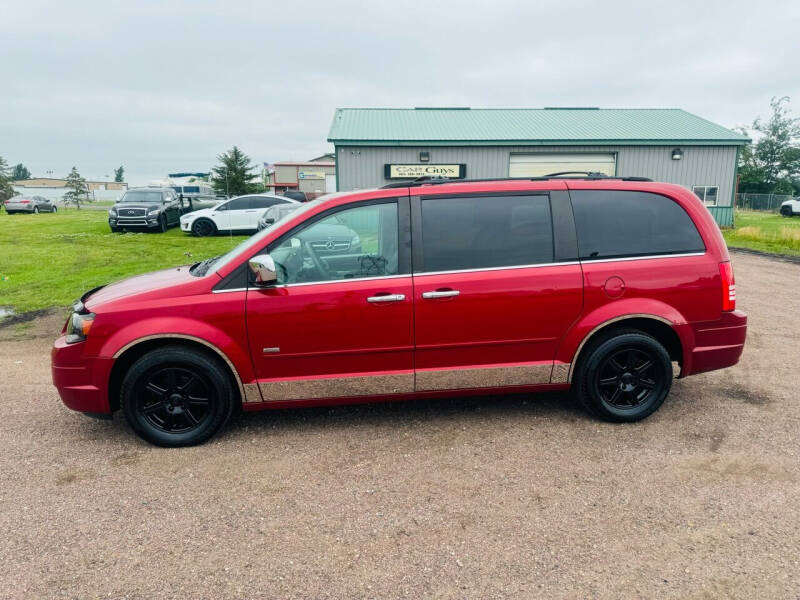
327,157
47,182
314,177
378,146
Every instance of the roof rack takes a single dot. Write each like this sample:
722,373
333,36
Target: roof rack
578,175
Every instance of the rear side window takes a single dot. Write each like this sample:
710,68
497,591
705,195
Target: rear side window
485,232
238,204
618,224
261,202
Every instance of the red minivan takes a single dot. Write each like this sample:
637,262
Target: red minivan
606,286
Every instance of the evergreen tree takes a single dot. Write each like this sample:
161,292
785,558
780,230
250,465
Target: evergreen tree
78,189
234,176
119,174
20,172
6,191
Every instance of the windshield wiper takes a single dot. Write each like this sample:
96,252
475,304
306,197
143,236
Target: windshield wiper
201,268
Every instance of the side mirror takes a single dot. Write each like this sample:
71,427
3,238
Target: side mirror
263,267
269,221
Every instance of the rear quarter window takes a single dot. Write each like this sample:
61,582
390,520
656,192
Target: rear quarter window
618,224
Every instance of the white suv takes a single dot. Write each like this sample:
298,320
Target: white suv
237,214
791,207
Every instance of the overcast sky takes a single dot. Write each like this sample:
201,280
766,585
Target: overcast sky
166,86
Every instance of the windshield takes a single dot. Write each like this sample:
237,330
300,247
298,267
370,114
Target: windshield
141,196
256,239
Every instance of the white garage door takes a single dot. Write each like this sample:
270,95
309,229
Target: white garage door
541,164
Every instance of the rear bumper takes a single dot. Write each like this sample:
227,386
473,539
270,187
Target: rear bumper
718,344
19,207
81,382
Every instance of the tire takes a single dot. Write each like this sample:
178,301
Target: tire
36,210
54,209
162,224
203,228
614,382
176,396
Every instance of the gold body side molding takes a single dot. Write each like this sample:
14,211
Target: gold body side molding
482,377
337,387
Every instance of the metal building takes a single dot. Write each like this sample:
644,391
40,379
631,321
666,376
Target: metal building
376,146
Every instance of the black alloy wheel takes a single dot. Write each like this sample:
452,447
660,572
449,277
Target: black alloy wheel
626,378
623,377
203,228
162,223
174,399
36,210
177,396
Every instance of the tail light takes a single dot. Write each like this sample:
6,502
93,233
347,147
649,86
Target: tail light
24,201
728,286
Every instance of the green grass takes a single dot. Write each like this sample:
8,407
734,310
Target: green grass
766,232
49,260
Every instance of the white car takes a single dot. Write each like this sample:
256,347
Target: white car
791,207
238,214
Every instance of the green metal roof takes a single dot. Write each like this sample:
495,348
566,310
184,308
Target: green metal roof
526,126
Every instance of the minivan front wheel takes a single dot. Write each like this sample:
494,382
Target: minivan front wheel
177,396
625,377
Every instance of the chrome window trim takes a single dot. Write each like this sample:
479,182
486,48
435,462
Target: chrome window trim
644,257
480,269
286,285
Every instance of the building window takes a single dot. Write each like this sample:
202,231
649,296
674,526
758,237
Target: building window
707,193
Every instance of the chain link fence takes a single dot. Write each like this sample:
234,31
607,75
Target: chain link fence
762,202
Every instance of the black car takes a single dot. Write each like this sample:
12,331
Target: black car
156,208
295,195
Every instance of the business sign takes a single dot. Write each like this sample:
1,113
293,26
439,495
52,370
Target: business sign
414,171
311,174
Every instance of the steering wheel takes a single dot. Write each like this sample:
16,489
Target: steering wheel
319,264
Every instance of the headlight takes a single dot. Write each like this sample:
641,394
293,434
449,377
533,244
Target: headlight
355,240
112,212
153,211
78,327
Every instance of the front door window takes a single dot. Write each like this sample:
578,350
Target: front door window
353,243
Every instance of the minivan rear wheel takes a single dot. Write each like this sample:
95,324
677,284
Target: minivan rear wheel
624,377
176,396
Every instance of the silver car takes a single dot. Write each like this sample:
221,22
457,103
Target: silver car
29,204
275,213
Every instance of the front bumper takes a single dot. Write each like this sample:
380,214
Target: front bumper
186,226
134,221
82,382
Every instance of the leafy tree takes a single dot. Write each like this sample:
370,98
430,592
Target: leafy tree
6,190
20,172
772,164
234,176
119,174
78,189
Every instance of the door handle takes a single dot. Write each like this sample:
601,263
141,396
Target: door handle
440,294
387,298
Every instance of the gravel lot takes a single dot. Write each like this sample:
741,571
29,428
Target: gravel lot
520,496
